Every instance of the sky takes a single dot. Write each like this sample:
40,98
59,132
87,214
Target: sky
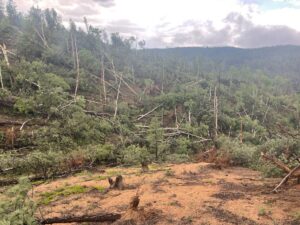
181,23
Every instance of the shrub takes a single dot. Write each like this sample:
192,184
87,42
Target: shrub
133,155
177,158
100,153
236,153
17,209
45,163
183,146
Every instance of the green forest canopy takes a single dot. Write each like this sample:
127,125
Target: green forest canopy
72,97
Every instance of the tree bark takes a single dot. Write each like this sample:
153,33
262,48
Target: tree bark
103,79
77,69
117,99
5,54
102,217
284,180
1,79
146,114
216,111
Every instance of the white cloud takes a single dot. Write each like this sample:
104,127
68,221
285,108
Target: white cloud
160,21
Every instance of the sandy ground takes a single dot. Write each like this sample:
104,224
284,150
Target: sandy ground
180,194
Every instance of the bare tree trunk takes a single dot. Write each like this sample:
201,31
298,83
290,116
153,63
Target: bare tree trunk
77,69
241,132
163,78
117,99
103,79
102,217
73,51
43,34
176,119
5,54
285,179
151,111
1,80
216,111
190,120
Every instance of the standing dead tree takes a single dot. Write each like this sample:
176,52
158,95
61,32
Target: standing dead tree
5,54
1,79
77,69
117,99
216,111
103,79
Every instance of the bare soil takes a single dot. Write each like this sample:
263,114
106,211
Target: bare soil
178,194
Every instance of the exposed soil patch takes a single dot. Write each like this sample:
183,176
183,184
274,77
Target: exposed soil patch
229,217
228,195
176,194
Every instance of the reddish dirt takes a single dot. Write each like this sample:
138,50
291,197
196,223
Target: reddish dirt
181,194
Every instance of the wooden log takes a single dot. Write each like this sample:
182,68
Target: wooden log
284,180
277,162
102,217
281,165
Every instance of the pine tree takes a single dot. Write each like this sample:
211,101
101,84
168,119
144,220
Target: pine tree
2,15
12,13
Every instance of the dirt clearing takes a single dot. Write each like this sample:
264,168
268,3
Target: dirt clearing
174,194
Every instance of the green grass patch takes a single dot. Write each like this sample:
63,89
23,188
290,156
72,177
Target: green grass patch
101,177
100,189
296,216
48,197
113,173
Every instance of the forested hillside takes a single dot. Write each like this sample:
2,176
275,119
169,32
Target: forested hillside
74,97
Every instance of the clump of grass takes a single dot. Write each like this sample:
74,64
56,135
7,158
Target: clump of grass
169,173
112,173
262,212
37,183
296,216
100,189
187,220
49,197
101,177
209,181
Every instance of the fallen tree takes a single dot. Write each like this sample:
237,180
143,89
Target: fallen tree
295,172
7,182
101,217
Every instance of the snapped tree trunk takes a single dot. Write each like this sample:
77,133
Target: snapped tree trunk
77,69
1,79
117,99
103,79
216,111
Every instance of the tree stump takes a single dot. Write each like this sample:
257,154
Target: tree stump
117,184
145,167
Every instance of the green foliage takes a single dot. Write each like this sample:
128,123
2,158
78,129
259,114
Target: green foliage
45,163
48,197
17,208
177,158
256,106
155,138
236,153
133,155
183,146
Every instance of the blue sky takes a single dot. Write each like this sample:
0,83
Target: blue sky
240,23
